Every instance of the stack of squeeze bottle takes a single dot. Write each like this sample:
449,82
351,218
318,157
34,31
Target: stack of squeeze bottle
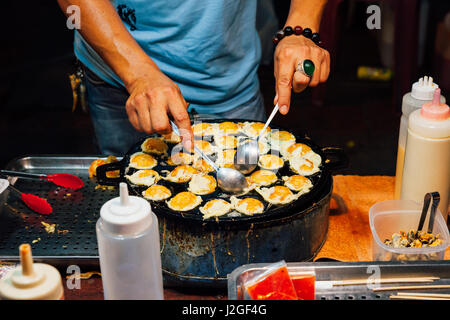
427,154
421,92
31,281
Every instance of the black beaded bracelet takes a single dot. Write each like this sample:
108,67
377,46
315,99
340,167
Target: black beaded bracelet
288,31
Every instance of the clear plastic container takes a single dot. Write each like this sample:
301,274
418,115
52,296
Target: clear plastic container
389,217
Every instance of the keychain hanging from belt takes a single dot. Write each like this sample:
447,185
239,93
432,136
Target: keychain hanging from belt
77,82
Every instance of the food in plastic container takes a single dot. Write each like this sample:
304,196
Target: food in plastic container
304,284
413,239
389,217
272,284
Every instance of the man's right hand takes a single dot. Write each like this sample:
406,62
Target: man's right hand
152,99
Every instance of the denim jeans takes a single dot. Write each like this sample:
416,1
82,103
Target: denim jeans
114,133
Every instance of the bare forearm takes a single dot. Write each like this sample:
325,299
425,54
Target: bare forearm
306,13
103,29
153,96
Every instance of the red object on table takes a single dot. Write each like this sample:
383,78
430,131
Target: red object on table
65,180
304,285
36,203
277,285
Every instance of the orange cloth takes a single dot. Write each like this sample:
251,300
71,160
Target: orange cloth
349,236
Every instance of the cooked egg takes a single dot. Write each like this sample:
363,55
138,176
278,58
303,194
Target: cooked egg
154,145
263,144
252,129
184,201
225,142
202,184
215,208
277,194
171,137
201,129
202,165
313,157
295,150
229,127
270,161
156,193
281,140
99,162
145,177
181,174
303,166
93,167
248,206
205,146
298,183
141,160
226,158
263,177
179,159
250,187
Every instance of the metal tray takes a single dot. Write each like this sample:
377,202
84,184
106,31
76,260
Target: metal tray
76,211
332,271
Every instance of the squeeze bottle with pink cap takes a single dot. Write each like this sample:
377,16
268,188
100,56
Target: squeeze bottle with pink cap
427,154
129,250
421,92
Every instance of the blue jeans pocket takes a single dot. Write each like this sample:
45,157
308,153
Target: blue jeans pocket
114,132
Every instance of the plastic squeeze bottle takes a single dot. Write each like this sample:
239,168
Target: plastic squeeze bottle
129,250
421,92
427,155
31,281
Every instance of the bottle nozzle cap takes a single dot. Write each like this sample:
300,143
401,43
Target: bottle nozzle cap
26,259
124,200
435,110
423,89
437,97
125,214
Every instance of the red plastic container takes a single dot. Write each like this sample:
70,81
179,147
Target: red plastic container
273,284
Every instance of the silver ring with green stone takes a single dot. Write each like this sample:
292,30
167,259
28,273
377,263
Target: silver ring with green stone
306,67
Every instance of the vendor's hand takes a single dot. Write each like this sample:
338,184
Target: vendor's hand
152,99
289,52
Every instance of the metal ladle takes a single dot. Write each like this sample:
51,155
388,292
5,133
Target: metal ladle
228,179
247,154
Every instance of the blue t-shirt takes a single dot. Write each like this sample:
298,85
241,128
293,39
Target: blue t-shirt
210,49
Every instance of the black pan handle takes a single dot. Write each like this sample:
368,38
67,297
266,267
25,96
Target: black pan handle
335,158
103,180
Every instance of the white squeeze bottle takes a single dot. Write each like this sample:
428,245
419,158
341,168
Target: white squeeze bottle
129,250
31,281
427,155
421,92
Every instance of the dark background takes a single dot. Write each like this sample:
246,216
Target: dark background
361,116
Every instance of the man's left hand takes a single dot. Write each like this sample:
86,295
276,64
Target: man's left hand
289,53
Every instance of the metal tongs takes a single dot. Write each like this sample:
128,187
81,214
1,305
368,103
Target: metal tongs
426,203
